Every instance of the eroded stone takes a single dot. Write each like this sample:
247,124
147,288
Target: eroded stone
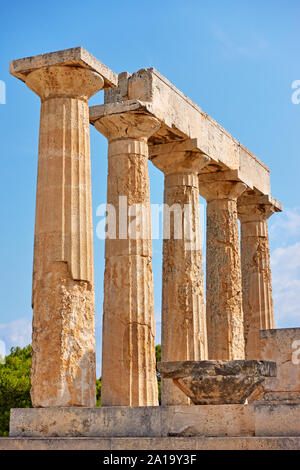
217,382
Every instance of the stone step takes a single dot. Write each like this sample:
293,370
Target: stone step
255,420
151,443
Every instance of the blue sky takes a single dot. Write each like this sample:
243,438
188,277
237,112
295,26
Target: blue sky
236,59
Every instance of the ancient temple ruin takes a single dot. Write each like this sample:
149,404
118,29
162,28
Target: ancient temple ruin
226,372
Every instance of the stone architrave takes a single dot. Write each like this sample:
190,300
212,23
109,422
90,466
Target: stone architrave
63,340
183,303
128,351
224,312
253,212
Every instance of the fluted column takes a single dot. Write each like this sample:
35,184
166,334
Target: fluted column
63,340
183,305
224,312
128,351
256,271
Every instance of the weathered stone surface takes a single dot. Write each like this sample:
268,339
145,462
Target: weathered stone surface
74,57
128,358
160,422
258,309
152,443
63,343
217,382
277,420
107,421
181,118
183,305
224,313
211,420
282,346
63,370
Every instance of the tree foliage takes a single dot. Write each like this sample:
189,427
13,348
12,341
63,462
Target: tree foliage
14,384
98,392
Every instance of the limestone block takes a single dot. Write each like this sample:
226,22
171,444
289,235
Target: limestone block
182,119
150,443
74,57
174,422
283,347
115,421
211,420
277,420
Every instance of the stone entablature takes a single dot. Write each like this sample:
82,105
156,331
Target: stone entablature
181,119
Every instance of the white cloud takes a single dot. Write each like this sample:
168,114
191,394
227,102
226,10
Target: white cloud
285,264
16,333
284,230
286,226
232,47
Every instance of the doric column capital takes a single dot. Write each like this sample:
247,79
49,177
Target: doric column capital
61,81
178,157
255,208
128,125
216,188
72,73
255,212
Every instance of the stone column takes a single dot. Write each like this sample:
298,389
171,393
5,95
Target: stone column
63,340
256,271
128,351
183,304
224,311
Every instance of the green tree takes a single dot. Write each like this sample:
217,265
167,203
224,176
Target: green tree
14,384
98,392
